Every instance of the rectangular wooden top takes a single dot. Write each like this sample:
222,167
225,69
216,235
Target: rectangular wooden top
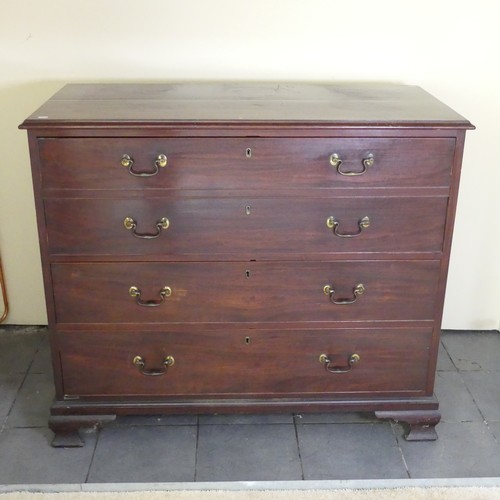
294,104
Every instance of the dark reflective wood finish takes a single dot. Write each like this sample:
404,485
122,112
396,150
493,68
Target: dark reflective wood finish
227,208
246,226
198,163
214,292
254,363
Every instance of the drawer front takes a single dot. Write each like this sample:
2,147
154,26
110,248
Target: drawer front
245,163
256,226
252,363
212,292
245,227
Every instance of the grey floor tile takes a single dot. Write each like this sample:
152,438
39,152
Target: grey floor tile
350,451
251,447
335,418
144,454
157,420
23,329
473,350
26,457
485,389
444,362
17,349
495,429
248,453
285,418
455,401
42,362
32,405
464,449
9,386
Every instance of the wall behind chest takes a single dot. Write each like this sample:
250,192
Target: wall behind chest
445,47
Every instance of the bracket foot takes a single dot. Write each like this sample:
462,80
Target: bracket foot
65,428
422,422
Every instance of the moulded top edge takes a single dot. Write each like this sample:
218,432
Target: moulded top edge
31,123
235,104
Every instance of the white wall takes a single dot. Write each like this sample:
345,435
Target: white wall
449,47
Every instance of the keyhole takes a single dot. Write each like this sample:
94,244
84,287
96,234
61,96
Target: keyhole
247,274
248,153
248,209
247,340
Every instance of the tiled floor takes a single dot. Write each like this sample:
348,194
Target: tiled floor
257,447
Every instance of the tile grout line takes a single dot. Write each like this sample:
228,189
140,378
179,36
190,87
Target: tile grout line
93,455
196,450
460,372
485,421
395,434
446,350
492,433
25,376
7,415
298,447
470,393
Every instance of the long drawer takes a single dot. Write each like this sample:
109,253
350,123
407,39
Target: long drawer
251,363
244,226
211,292
244,163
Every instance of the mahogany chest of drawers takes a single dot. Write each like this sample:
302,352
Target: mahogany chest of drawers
244,248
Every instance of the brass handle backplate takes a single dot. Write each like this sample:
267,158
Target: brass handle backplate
135,292
161,161
131,225
336,162
334,224
358,290
351,361
140,362
128,162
